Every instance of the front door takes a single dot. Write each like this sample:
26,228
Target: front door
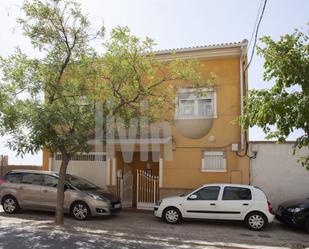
203,203
235,202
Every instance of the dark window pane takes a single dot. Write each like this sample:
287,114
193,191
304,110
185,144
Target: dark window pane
34,179
208,193
13,177
236,193
50,181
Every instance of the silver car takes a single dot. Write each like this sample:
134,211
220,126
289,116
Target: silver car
37,190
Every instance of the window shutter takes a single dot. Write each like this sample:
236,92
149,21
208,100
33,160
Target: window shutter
214,161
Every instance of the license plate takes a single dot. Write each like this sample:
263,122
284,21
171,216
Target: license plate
117,205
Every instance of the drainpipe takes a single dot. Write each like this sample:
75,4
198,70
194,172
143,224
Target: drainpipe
241,71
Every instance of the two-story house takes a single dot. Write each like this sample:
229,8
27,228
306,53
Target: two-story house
206,143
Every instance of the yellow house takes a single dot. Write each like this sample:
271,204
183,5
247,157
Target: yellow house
206,145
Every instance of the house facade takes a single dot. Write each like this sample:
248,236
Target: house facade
206,143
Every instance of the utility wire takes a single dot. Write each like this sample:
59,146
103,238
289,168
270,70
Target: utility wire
255,23
256,34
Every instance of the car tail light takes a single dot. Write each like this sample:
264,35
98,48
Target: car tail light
270,207
2,181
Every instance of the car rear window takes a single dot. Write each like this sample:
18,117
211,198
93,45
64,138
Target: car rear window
236,193
13,177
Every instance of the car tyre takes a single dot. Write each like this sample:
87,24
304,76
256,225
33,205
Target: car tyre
256,221
10,205
80,210
172,215
307,224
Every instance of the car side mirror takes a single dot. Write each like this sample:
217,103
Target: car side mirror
193,197
66,187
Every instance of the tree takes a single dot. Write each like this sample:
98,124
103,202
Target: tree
131,72
41,105
286,104
48,102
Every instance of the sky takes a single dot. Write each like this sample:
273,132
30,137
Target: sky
172,24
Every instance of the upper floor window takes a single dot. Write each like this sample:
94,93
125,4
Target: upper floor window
191,105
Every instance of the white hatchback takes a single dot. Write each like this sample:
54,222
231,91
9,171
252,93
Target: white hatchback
219,202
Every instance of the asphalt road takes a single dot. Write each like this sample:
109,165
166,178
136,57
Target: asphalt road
139,230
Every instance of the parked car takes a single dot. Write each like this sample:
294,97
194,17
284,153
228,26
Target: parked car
219,202
294,212
37,190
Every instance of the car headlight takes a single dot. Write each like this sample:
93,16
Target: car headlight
158,203
97,197
295,210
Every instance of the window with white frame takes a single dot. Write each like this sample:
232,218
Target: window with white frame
214,161
84,157
190,105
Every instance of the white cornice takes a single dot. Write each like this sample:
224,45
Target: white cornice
203,53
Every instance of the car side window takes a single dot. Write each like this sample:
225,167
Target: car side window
208,193
236,193
31,178
50,181
13,177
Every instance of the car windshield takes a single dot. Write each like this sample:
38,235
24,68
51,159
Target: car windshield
80,183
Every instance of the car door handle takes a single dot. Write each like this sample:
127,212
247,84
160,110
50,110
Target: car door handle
212,204
45,190
21,187
245,204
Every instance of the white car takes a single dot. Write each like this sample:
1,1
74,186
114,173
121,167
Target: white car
219,202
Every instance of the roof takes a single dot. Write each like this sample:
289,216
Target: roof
203,47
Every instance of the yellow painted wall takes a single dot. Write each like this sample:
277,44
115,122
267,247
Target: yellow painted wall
185,169
46,156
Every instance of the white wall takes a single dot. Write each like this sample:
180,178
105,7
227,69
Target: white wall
276,171
93,171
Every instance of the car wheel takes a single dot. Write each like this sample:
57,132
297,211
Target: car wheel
10,205
307,224
80,210
256,221
172,215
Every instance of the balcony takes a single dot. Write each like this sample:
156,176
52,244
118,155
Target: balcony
193,127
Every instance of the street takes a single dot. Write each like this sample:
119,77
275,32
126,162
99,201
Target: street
129,229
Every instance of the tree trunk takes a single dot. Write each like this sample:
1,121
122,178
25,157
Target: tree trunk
60,188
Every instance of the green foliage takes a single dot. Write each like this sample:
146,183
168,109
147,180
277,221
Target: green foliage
132,72
286,104
41,107
48,102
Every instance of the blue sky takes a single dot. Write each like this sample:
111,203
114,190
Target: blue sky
174,24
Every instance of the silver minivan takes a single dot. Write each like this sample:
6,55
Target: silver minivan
37,190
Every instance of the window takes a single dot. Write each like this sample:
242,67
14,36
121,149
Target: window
208,193
84,157
214,161
50,181
13,177
190,105
34,179
236,193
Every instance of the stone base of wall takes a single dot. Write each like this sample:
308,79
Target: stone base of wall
166,192
112,189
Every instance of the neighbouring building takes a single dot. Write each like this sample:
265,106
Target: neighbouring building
277,171
207,144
